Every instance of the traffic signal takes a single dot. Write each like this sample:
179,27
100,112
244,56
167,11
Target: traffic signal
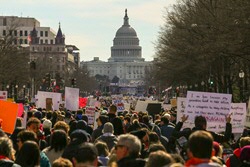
47,80
73,82
33,65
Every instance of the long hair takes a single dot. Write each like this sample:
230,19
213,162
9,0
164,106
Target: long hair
59,140
29,154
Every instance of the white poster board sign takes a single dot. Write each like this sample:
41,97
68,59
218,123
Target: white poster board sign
213,106
97,114
3,95
90,112
42,96
72,98
141,106
238,118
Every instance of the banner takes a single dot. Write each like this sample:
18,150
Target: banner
43,99
90,112
8,113
3,95
20,109
72,98
238,111
213,106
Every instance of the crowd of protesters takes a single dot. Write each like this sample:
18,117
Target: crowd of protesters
64,138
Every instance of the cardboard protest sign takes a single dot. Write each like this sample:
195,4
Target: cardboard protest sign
43,97
83,102
173,102
90,112
181,105
141,106
118,101
213,106
72,98
20,109
8,113
238,117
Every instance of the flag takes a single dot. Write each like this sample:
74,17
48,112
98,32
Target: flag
29,38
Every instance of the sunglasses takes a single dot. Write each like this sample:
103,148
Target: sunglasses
119,145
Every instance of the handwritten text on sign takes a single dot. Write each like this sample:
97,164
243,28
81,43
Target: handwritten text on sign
213,106
238,111
90,112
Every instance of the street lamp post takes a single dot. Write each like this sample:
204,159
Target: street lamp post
7,88
16,92
24,91
241,75
202,85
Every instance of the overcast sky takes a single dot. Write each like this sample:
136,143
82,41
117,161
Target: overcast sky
91,24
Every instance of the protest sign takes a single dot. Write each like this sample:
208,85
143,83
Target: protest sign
72,98
8,113
3,95
213,106
83,102
141,106
20,109
118,101
181,104
90,112
42,98
238,118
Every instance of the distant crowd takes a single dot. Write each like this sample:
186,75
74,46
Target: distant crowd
65,138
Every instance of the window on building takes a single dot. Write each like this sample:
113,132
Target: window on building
10,32
26,41
21,41
46,33
51,41
4,22
41,33
46,41
4,32
41,41
26,33
15,41
21,33
15,32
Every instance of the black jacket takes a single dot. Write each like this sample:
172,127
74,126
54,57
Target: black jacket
8,163
220,138
109,140
131,162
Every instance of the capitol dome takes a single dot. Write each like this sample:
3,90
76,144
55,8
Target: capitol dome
126,46
126,30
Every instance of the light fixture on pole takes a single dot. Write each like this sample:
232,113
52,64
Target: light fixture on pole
202,84
241,75
24,91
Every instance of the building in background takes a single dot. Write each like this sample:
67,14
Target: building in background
52,62
126,69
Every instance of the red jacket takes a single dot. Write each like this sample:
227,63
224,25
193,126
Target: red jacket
236,153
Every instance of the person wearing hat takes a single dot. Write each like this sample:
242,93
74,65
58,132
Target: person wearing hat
77,138
108,135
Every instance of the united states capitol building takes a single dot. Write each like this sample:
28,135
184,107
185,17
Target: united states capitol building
126,60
